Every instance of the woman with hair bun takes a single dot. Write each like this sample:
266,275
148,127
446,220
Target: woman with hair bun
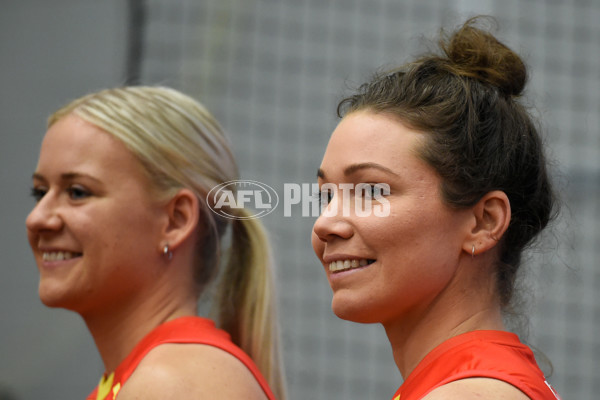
123,234
467,192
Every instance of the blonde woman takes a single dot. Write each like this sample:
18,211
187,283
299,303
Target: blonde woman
123,235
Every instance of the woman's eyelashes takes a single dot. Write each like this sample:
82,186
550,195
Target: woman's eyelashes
78,192
75,192
374,190
364,190
324,196
37,193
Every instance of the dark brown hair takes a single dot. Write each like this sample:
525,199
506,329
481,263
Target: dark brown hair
479,137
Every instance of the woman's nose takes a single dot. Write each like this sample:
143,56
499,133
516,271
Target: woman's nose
334,221
44,216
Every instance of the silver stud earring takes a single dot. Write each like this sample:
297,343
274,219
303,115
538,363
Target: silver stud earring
473,252
167,252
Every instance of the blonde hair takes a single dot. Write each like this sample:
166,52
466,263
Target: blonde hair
180,144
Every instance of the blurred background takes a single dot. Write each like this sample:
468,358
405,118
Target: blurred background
272,72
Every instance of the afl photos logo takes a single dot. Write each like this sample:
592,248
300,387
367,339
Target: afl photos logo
257,198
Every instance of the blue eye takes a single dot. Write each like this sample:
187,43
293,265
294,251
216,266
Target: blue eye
37,193
77,192
367,190
374,191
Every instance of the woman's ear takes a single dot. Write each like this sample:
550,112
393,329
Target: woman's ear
491,220
183,217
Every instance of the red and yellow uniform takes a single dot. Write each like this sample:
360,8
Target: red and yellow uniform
483,354
194,330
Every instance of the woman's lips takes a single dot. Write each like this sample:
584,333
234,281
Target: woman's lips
59,255
348,264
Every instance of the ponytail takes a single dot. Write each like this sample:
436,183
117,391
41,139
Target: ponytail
245,298
180,144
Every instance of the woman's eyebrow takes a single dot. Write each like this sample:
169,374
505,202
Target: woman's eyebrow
66,176
74,175
356,167
367,165
37,176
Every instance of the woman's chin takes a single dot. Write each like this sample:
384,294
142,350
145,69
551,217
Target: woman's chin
354,313
50,300
56,297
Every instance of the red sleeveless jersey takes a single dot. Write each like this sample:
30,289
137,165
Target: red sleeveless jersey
195,330
483,354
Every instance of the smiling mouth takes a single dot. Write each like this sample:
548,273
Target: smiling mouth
344,265
59,255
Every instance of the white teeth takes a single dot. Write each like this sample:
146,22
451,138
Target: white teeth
341,265
57,255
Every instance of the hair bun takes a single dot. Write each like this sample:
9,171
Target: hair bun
476,53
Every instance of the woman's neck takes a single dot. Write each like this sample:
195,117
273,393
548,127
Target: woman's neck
117,330
451,313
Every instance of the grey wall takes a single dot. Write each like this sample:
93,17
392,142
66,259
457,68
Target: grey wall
272,71
50,52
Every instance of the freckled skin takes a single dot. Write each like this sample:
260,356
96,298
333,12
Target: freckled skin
416,248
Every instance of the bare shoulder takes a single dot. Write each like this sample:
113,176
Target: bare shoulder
191,371
477,388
